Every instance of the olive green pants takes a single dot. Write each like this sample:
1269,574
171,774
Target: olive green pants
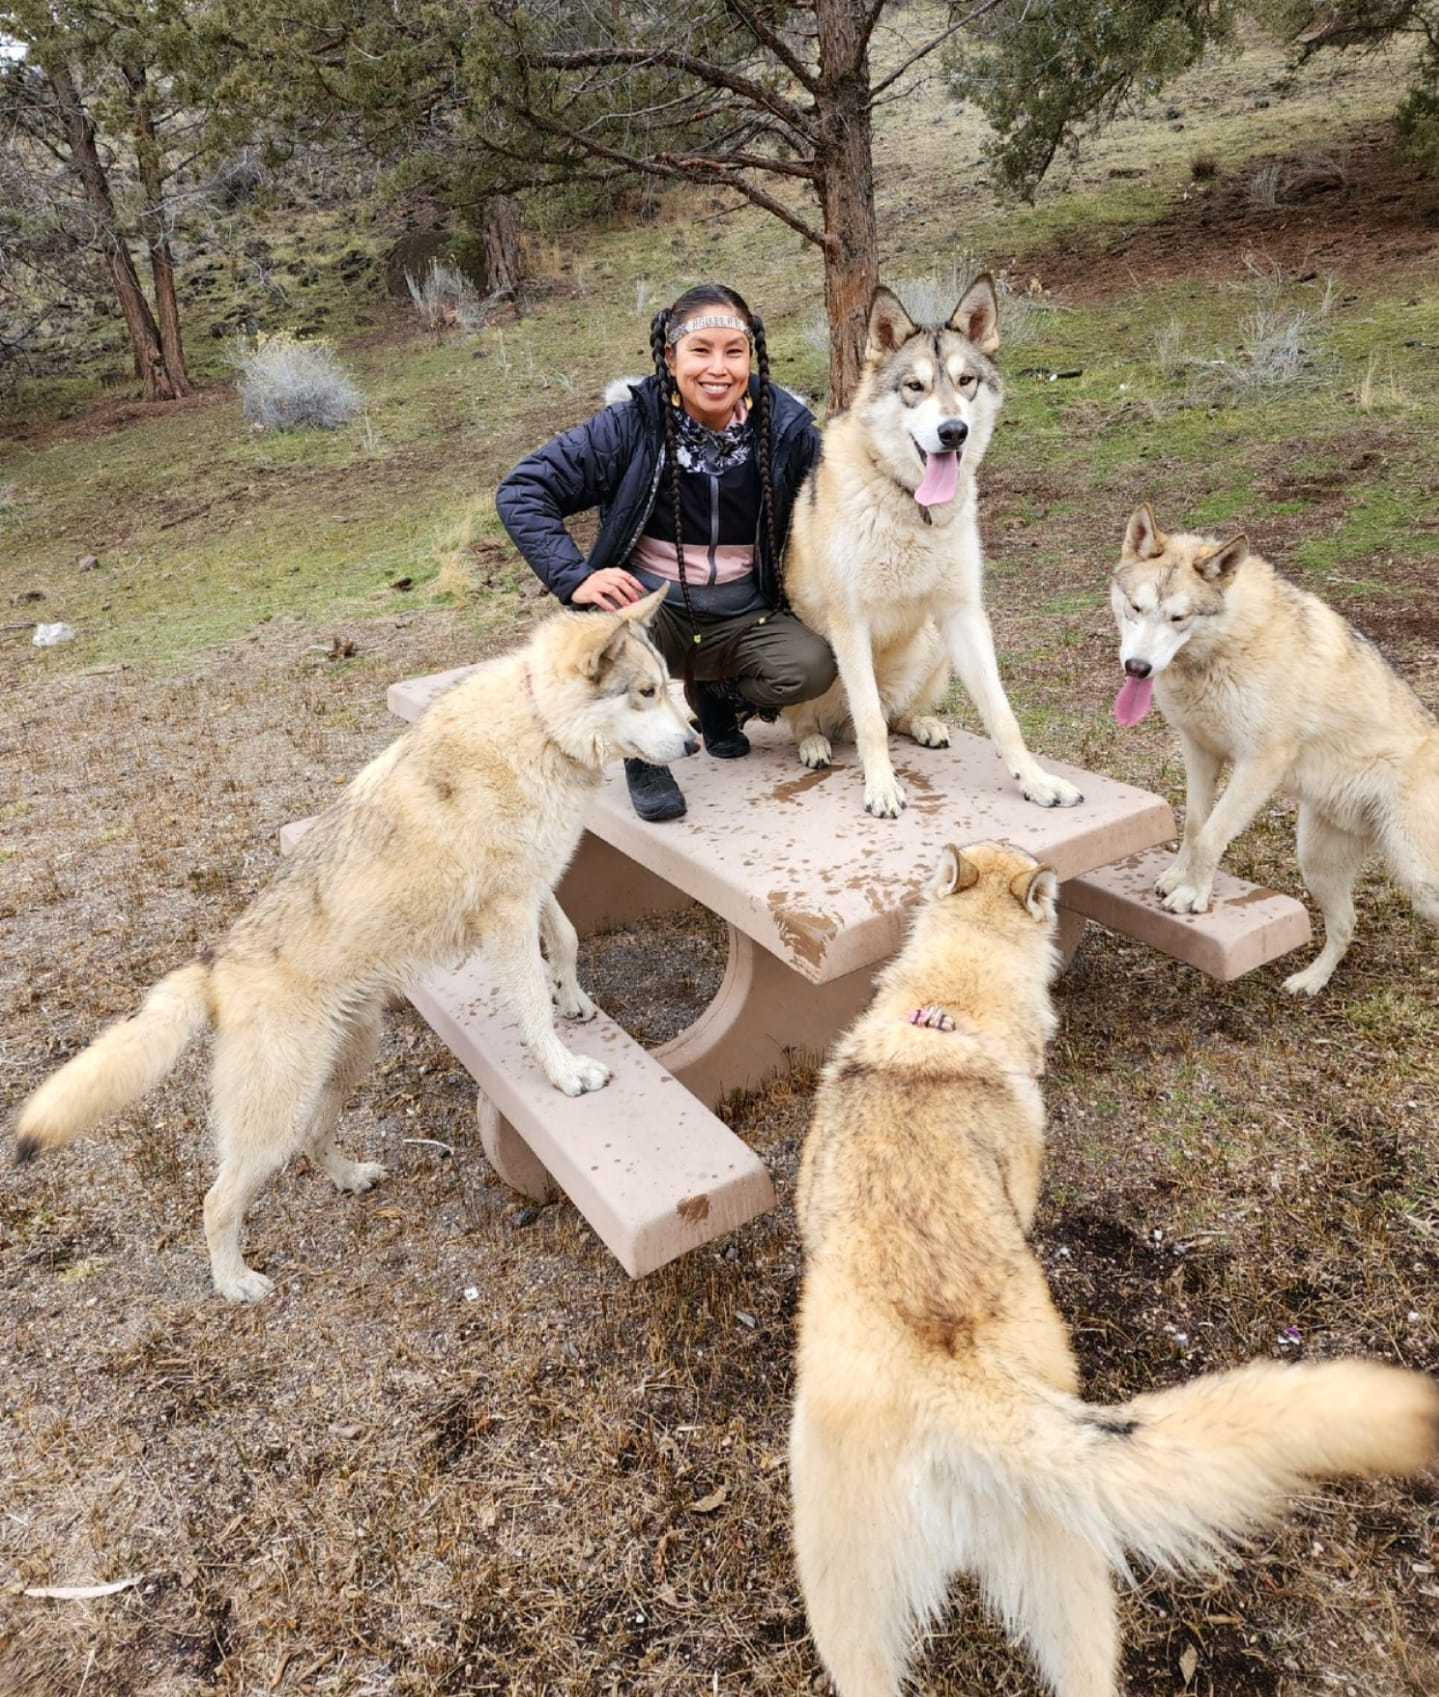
772,658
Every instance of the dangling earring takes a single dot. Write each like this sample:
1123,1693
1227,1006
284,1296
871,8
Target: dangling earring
674,397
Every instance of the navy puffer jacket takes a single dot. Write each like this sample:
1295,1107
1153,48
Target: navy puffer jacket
614,462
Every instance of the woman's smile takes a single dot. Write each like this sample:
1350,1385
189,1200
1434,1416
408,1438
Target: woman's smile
711,371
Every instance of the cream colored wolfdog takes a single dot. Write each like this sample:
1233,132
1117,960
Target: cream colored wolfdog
1249,669
452,839
884,555
938,1426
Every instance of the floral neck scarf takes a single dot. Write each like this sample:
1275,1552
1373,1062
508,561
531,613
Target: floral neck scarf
713,451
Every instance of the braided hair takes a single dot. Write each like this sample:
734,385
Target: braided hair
716,294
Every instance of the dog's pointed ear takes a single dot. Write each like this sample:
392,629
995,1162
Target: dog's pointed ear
1225,558
606,642
889,325
954,872
1142,536
1037,891
977,315
642,611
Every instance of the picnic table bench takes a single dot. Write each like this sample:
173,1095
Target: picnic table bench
814,895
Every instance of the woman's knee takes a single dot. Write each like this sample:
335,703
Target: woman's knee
811,670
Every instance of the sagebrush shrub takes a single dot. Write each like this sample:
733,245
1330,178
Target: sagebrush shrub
287,384
444,295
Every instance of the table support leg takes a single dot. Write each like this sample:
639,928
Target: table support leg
763,1013
511,1157
1072,927
604,887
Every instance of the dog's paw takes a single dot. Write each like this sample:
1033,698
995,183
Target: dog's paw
884,797
1171,878
245,1286
1188,898
929,732
815,752
360,1176
1045,790
573,1003
581,1075
1309,982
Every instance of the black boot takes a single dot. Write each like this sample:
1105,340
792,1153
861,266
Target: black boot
653,791
721,709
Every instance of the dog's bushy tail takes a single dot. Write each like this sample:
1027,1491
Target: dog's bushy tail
1181,1476
125,1061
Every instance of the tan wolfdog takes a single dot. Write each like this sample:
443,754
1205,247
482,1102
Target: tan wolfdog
884,557
1251,670
938,1426
453,839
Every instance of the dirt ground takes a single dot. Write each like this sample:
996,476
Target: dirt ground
1365,212
458,1452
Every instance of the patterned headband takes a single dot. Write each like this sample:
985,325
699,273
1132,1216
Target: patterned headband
709,321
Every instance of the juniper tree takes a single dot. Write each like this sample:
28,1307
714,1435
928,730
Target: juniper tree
112,92
1371,26
1047,73
772,99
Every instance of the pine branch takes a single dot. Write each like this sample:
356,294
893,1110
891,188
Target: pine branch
929,47
715,75
721,176
776,44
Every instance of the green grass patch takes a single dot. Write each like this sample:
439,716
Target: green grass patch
1381,519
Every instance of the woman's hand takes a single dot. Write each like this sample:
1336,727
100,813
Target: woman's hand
611,589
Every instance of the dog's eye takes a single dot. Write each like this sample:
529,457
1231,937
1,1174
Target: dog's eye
914,386
648,692
1177,618
968,380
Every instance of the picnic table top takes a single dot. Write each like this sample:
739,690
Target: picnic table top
791,858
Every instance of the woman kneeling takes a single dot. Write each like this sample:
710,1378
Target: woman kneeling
695,474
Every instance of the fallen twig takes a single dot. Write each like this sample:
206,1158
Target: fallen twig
434,1143
77,1593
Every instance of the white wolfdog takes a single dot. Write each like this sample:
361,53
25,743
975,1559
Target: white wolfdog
884,557
453,839
938,1426
1252,670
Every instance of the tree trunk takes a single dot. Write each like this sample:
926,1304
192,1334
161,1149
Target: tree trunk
85,162
846,190
162,259
504,258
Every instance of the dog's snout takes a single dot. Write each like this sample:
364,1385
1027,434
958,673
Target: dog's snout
692,745
952,432
1138,668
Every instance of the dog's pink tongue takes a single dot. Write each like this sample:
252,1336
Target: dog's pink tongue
941,479
1135,698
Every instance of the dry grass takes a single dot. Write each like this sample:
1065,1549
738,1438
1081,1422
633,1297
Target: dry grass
1380,389
1278,345
374,1485
454,550
1286,182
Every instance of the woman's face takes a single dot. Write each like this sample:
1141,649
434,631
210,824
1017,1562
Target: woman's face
711,371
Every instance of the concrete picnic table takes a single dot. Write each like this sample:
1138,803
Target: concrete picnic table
814,895
813,891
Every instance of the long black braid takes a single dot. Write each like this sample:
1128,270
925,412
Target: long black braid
716,294
766,455
670,399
